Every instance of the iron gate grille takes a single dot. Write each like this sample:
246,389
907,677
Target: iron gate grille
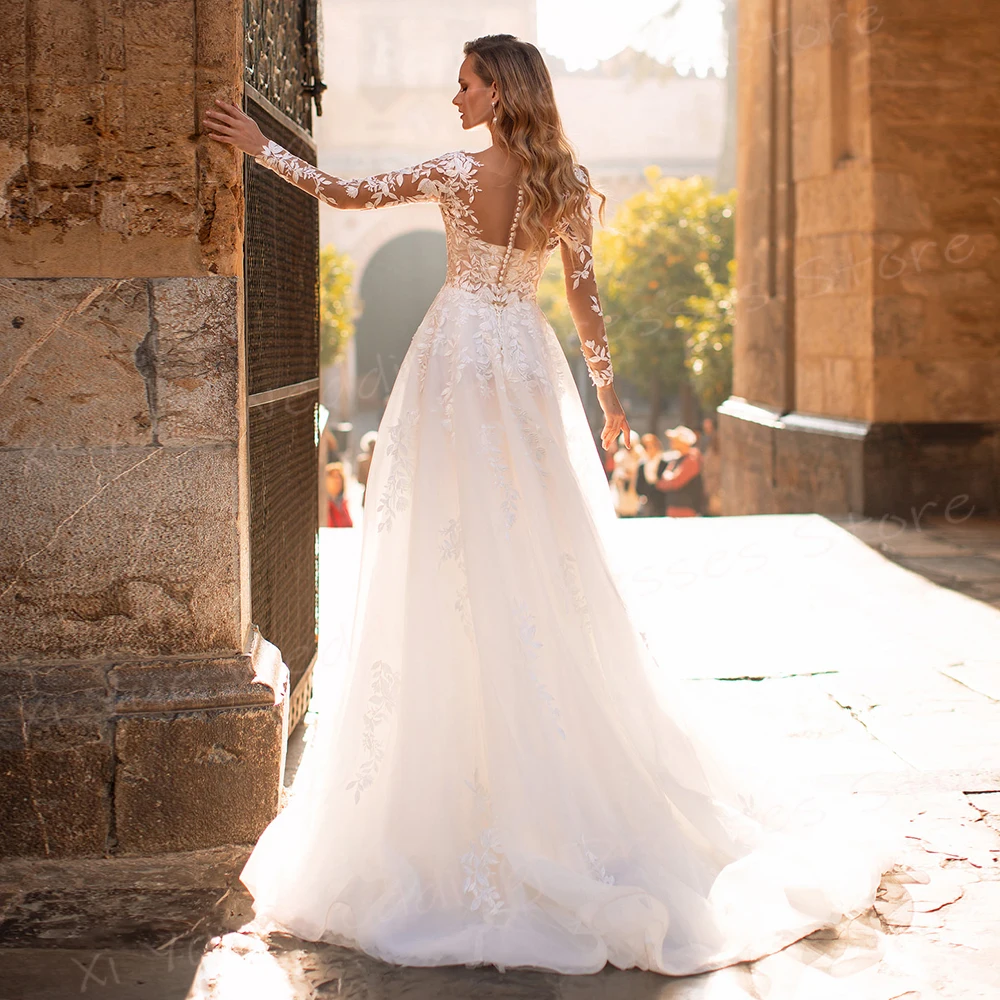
281,301
283,54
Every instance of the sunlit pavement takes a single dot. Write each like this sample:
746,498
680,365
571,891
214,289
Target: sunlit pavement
815,652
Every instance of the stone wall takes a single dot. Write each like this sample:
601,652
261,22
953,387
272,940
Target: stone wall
103,172
866,348
139,711
935,147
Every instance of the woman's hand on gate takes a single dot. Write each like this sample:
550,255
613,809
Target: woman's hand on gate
614,418
227,123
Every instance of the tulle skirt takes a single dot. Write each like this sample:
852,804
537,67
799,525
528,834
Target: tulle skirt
508,776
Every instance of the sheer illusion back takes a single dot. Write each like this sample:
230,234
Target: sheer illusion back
480,233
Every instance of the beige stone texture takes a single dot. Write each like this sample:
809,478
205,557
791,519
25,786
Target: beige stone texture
833,387
56,755
838,202
118,362
68,358
760,350
110,552
833,326
72,735
120,181
936,129
907,389
196,780
197,376
123,536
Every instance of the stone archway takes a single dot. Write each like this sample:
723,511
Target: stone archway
412,267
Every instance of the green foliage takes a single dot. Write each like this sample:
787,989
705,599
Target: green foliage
709,339
552,301
336,303
666,249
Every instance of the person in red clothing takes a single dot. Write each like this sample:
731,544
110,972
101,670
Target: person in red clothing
337,514
682,481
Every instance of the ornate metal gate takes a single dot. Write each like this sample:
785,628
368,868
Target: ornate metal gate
281,320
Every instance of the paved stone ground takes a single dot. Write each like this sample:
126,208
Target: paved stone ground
831,650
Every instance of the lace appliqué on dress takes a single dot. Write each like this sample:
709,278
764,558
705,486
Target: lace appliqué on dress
381,702
398,484
501,475
526,628
480,862
451,548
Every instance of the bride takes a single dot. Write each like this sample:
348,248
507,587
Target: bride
509,778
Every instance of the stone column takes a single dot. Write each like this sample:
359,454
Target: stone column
140,713
866,346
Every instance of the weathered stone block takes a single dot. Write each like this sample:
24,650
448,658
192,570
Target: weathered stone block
197,376
68,353
55,794
64,46
13,50
105,552
746,457
840,201
833,327
160,129
929,389
118,362
901,205
187,685
196,780
899,324
159,36
835,263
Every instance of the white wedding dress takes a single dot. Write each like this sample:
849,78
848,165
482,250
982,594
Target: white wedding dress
509,777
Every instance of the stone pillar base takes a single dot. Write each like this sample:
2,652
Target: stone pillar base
788,463
170,904
141,758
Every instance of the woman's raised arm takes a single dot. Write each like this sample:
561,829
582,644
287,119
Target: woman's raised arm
584,300
424,181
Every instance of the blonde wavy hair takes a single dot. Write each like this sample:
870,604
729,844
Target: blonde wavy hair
529,128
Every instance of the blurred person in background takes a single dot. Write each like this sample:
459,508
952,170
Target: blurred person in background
337,513
654,462
680,483
624,478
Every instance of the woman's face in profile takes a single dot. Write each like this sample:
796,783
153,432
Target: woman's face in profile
474,99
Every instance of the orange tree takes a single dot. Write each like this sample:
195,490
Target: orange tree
667,250
709,339
336,303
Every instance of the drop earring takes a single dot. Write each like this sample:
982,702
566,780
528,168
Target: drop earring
494,113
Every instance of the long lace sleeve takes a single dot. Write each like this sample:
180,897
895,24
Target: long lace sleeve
582,294
426,181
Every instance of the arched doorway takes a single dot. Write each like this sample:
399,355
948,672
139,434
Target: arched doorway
396,289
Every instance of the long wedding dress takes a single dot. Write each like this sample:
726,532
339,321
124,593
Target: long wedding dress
509,778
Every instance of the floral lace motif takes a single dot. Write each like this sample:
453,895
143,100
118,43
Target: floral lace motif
451,548
489,435
582,295
596,868
381,702
480,862
396,492
473,263
525,624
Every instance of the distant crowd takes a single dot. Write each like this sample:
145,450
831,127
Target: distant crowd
680,481
646,480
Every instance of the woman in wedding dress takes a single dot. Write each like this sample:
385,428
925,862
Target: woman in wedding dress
508,777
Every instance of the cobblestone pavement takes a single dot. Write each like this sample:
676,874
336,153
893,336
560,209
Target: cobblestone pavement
859,654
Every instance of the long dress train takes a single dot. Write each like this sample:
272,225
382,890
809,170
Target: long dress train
509,777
